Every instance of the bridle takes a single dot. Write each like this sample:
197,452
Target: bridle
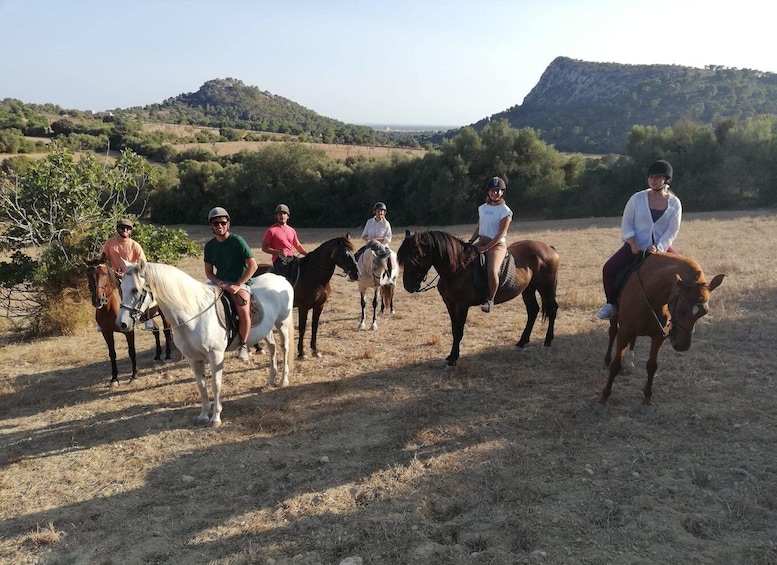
136,313
673,324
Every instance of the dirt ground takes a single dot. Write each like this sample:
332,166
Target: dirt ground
375,454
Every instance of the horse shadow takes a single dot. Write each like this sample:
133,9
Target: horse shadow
294,444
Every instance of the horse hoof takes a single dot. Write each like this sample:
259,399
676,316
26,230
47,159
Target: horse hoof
600,408
215,424
519,348
301,357
113,384
450,368
374,327
201,422
362,327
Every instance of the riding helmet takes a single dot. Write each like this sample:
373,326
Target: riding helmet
125,222
661,167
379,206
218,212
496,182
282,208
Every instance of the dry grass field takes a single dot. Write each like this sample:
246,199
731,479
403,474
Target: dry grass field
337,152
374,453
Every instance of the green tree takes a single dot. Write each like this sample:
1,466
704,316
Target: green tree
59,211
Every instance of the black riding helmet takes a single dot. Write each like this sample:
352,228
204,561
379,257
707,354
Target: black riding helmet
496,182
661,167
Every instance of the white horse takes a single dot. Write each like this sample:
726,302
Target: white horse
199,329
375,271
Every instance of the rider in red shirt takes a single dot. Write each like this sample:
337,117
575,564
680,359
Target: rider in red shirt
280,239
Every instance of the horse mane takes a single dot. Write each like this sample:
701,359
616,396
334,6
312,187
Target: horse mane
687,265
171,284
326,246
452,251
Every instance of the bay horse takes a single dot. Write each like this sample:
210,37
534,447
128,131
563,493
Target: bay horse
663,298
312,287
104,288
196,317
536,271
375,272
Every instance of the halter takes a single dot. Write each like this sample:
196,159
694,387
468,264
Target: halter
136,313
672,306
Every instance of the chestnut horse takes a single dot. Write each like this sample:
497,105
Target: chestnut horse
536,271
104,288
663,298
312,288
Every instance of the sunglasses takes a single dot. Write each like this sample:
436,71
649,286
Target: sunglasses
219,223
122,228
497,190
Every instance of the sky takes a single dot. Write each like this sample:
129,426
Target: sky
376,62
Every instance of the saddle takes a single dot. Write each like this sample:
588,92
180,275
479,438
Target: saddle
228,314
624,274
288,268
506,274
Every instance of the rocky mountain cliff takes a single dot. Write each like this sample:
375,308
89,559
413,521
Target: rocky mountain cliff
590,107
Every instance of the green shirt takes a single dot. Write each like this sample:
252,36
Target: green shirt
228,257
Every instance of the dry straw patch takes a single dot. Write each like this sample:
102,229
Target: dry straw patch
374,452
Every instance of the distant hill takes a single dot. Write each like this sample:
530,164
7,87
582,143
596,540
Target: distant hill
589,107
229,103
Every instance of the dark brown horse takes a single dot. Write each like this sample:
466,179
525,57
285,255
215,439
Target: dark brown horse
662,299
104,289
536,271
312,288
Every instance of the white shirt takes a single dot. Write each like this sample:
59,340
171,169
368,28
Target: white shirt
489,218
375,229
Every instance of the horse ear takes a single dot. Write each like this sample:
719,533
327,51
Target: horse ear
407,233
715,282
348,235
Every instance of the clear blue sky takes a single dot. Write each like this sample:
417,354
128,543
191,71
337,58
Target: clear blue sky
447,62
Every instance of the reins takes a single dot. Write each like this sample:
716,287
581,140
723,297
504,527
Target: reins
664,333
137,313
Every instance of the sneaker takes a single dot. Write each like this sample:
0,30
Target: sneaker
487,305
150,325
605,312
242,353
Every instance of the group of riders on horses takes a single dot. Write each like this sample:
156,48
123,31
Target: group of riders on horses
650,223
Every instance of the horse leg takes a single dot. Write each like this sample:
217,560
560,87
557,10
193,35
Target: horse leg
314,330
198,368
390,293
131,350
158,343
550,309
615,368
285,329
532,309
374,325
652,366
168,341
303,322
108,336
458,316
270,341
362,326
613,331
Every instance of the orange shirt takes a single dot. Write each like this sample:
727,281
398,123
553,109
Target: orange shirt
118,248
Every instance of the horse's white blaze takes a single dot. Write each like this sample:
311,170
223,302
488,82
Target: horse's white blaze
191,308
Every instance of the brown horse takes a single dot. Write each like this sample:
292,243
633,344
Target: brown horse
312,288
104,289
662,299
536,271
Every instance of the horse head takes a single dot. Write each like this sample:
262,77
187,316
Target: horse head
415,261
688,303
344,258
136,295
98,277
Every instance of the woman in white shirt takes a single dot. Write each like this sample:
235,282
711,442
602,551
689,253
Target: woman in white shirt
651,222
378,228
494,217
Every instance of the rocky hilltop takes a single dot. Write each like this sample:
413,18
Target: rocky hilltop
590,107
